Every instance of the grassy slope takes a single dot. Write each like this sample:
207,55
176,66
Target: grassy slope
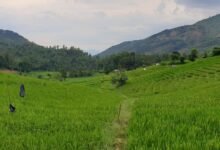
55,115
176,108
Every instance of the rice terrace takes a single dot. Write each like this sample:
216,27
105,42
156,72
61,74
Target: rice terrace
159,93
175,108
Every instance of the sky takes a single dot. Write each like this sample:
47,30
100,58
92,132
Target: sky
95,25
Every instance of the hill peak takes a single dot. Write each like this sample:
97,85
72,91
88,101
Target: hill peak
203,35
11,37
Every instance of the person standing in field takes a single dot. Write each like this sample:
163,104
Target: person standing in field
22,90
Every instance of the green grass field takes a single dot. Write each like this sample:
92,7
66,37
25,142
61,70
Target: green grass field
55,115
177,108
162,107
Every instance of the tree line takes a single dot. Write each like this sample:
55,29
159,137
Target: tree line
31,57
73,62
129,61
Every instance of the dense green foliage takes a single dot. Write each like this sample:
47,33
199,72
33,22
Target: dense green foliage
128,61
175,57
193,55
119,78
18,53
216,51
33,57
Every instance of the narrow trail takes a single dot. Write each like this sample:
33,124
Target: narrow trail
120,124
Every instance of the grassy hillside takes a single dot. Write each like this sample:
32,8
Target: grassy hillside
55,115
176,107
162,107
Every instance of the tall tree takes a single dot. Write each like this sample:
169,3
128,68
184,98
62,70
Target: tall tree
193,55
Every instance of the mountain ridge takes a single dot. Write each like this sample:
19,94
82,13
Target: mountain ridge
203,35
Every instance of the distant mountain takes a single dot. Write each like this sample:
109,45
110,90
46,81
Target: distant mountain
202,35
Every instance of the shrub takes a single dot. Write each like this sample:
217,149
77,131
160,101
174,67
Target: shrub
119,78
175,56
49,75
205,55
40,76
193,55
80,73
182,60
63,74
24,67
216,51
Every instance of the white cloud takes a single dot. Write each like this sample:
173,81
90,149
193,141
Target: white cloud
95,24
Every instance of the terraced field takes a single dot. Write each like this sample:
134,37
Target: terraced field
55,115
177,107
162,107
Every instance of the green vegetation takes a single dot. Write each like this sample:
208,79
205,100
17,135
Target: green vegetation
128,61
193,55
55,115
156,107
159,107
168,97
17,53
177,108
31,57
119,78
216,51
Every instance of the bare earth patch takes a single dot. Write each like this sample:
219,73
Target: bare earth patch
8,71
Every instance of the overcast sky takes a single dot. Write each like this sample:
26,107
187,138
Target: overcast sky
95,25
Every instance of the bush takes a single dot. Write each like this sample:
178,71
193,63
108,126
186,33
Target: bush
216,51
193,55
164,63
40,76
49,75
24,67
80,73
175,56
63,74
119,78
205,55
182,60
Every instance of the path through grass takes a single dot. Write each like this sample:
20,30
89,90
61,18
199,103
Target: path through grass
120,124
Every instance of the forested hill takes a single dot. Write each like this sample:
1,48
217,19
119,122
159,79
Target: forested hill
18,53
203,35
11,38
